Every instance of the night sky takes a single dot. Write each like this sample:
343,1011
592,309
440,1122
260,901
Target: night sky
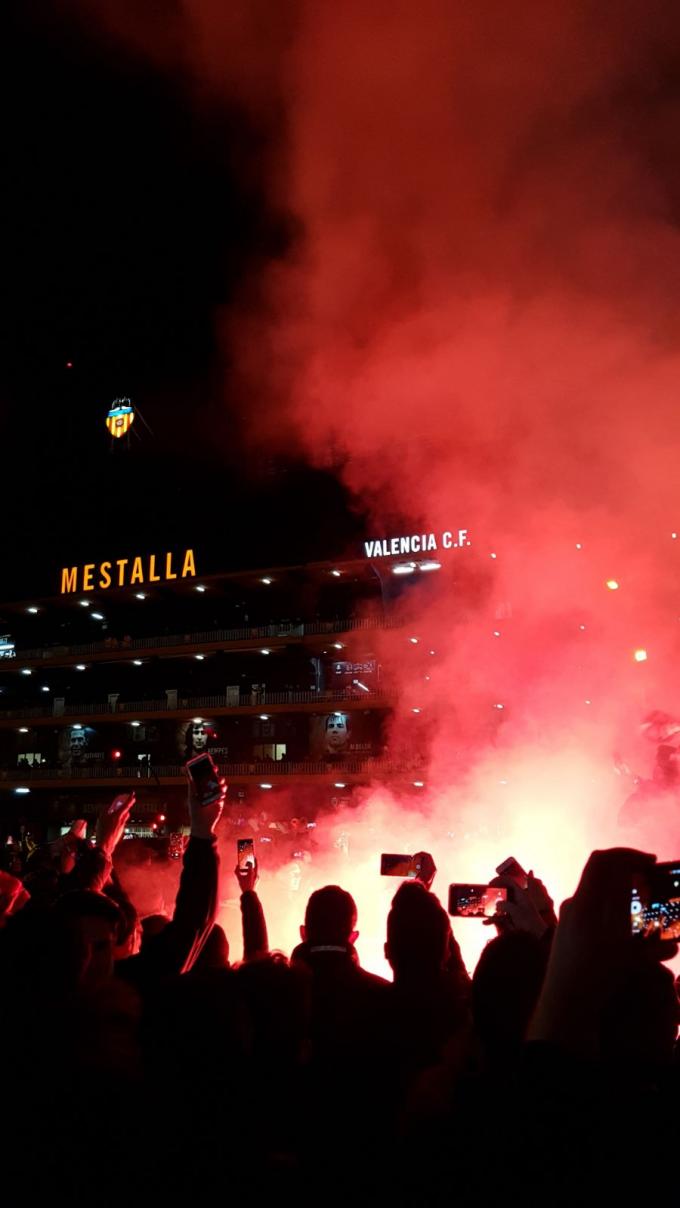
132,214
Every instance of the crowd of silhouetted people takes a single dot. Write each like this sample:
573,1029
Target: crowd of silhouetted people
157,1057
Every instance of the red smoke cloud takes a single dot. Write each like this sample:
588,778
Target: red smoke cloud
477,321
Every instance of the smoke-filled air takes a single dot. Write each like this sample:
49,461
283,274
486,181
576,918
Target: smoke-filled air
475,323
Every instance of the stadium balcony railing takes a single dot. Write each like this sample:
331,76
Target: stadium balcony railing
123,710
207,637
369,767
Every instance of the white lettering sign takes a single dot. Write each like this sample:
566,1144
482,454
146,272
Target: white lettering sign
416,543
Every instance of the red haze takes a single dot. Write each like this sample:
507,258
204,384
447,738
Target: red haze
478,322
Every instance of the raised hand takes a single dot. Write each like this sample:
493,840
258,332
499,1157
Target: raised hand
112,821
204,818
247,877
593,950
427,868
525,909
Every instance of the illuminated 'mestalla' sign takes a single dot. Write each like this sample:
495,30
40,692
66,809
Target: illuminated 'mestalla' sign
417,543
125,572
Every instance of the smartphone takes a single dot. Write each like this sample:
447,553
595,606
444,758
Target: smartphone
120,802
475,901
397,866
205,778
512,868
655,902
245,853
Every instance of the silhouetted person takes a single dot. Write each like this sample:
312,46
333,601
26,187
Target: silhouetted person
431,985
658,797
214,953
505,988
349,1054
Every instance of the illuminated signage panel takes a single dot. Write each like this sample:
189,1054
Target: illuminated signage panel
128,572
416,543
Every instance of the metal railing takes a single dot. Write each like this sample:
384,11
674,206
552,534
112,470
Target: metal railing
250,700
209,637
261,768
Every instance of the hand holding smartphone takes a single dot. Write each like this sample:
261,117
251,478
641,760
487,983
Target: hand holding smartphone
112,820
246,865
121,802
655,902
475,901
420,867
245,853
393,865
204,778
513,869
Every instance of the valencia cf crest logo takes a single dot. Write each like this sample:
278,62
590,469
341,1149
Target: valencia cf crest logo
120,418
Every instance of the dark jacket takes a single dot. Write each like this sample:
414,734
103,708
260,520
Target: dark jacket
349,1084
177,946
348,1006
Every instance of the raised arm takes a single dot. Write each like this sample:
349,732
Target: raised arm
255,938
176,948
